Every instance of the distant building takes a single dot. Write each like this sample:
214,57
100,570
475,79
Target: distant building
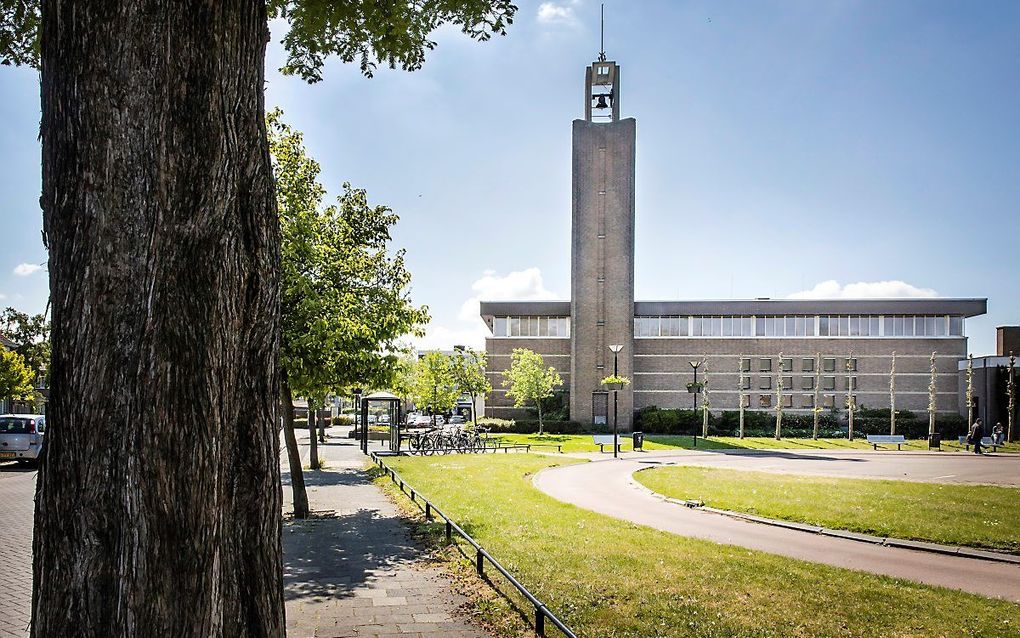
736,339
991,373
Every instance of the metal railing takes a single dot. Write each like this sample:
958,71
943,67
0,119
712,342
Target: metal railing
481,555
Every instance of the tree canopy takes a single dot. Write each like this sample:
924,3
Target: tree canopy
15,377
30,335
469,375
393,33
528,381
344,298
435,388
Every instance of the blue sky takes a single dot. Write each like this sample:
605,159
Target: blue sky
781,145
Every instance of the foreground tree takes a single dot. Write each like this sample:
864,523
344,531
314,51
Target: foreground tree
528,381
435,388
344,300
159,499
469,374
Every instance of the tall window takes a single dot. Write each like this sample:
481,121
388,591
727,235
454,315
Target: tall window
531,327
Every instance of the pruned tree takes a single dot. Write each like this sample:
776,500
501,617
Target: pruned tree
528,381
933,376
1010,398
469,374
892,394
740,395
435,386
779,399
344,297
160,219
970,392
705,405
816,409
851,400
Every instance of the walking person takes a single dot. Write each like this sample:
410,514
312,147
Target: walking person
976,432
997,433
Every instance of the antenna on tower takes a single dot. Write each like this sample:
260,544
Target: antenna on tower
602,37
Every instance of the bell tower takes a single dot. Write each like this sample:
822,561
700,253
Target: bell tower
602,249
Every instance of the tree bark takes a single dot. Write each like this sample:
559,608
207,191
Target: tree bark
313,441
159,503
297,476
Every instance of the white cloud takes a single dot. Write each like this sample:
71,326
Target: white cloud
832,289
24,270
558,12
519,285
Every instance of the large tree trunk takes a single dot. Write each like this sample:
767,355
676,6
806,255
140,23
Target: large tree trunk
297,477
158,503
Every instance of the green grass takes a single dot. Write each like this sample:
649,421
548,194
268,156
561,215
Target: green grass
974,515
583,443
609,578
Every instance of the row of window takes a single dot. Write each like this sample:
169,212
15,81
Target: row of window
805,400
806,383
807,364
531,327
800,326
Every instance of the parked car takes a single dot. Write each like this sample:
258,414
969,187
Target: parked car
21,437
457,419
384,419
422,420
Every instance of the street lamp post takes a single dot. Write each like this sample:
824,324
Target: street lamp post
616,373
357,419
695,365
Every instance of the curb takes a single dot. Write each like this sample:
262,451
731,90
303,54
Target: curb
935,548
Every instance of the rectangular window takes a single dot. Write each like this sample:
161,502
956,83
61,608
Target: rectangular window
747,327
765,401
844,326
799,326
696,326
807,383
855,326
745,365
746,400
823,326
765,383
828,383
788,383
786,365
873,326
807,365
727,326
716,326
853,383
770,326
515,326
889,327
745,383
851,364
791,326
534,327
807,401
956,326
829,401
543,326
929,326
765,365
759,326
829,365
499,327
788,401
941,325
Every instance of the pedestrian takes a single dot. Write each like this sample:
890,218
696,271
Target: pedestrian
976,432
998,433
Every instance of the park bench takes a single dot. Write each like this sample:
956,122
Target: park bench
602,440
986,441
886,439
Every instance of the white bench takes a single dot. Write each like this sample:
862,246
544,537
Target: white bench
602,440
986,441
886,439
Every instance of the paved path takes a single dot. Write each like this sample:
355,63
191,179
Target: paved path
351,572
938,467
17,506
354,570
607,487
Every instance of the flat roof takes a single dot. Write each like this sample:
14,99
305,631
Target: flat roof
963,307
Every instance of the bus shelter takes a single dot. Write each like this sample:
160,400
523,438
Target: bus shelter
380,412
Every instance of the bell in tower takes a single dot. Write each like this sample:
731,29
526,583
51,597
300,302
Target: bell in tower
602,88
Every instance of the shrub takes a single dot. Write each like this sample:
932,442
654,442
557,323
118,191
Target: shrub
527,426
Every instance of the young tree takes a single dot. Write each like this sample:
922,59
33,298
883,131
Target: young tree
892,394
851,400
435,388
469,374
159,216
705,405
30,335
931,396
528,381
1010,398
816,409
779,399
15,377
740,395
344,300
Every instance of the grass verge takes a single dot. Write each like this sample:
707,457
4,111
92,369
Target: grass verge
609,578
974,515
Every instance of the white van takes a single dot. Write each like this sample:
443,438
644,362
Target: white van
21,437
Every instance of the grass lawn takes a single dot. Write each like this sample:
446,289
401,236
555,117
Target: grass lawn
979,516
609,578
583,443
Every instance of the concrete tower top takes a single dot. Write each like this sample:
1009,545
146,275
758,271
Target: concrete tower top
602,91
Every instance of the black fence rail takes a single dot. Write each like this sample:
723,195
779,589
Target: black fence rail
542,613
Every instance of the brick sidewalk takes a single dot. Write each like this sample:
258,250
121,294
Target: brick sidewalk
354,571
17,506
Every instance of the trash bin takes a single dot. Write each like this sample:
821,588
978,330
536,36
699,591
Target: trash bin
639,440
935,441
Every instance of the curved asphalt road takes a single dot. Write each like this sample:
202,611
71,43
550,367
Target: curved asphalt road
607,487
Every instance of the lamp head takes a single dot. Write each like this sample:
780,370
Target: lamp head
616,348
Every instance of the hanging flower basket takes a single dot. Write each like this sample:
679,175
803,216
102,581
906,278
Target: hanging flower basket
615,383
